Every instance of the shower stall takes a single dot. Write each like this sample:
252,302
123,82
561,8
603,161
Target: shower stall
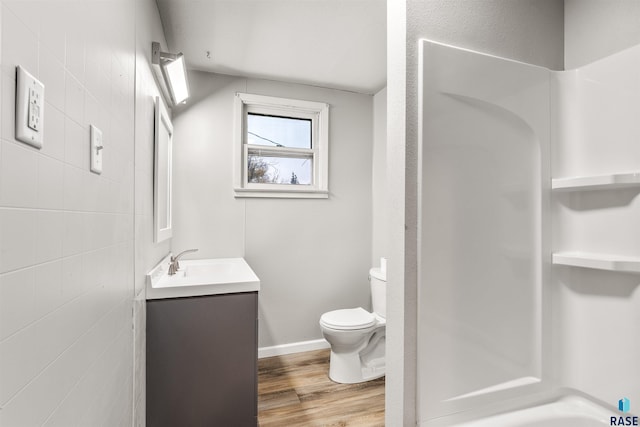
529,241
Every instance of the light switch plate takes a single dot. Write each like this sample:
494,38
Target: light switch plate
96,150
29,108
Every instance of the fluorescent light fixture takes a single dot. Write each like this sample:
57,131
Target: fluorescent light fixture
171,71
175,73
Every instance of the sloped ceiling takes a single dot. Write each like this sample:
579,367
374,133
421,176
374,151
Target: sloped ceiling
338,44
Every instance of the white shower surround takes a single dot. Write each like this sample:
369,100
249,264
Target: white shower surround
495,321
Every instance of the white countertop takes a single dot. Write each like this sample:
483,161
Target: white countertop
201,277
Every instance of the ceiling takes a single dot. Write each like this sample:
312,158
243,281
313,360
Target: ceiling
339,44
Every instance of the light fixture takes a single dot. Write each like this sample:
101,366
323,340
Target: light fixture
171,71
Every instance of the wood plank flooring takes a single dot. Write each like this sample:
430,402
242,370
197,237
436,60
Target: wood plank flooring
295,390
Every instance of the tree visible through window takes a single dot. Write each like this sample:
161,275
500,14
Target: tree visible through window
258,170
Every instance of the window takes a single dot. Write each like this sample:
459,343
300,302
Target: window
281,147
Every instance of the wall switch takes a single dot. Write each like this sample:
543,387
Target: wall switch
29,108
96,150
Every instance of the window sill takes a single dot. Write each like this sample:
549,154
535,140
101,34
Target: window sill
281,194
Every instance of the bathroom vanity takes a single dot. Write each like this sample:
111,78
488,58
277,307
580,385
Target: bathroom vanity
202,345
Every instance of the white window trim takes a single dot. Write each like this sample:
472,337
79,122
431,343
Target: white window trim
318,112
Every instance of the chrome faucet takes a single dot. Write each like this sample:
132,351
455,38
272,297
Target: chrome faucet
174,266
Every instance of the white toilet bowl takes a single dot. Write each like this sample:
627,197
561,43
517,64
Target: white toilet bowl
357,340
357,337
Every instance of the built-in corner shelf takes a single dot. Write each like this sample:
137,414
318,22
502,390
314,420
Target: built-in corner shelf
598,261
597,182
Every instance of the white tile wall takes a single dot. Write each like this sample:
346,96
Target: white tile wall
19,42
49,232
17,239
76,149
19,182
73,98
49,293
16,286
66,235
50,183
52,75
54,123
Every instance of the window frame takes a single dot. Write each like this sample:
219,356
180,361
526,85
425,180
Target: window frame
317,112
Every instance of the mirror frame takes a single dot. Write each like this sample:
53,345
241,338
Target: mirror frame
162,123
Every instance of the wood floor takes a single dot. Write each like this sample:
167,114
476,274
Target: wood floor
295,390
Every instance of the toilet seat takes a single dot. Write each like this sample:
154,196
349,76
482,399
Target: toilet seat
348,319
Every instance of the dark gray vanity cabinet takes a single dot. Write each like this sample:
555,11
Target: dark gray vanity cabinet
202,361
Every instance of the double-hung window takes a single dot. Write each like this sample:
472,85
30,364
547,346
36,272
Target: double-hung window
281,147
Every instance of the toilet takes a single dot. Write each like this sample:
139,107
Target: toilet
357,337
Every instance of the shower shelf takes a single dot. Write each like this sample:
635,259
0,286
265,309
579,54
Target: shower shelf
597,182
598,261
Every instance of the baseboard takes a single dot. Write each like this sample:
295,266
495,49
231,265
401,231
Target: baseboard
294,347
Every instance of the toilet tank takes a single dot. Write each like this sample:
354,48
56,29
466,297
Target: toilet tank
378,281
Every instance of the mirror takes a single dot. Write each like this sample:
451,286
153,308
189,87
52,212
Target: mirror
162,173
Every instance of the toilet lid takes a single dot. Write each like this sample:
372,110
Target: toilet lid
350,318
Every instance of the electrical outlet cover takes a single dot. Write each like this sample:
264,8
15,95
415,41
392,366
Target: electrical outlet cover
29,108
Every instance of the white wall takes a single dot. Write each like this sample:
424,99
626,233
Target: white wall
597,28
66,235
527,30
596,312
312,256
530,31
147,253
379,193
